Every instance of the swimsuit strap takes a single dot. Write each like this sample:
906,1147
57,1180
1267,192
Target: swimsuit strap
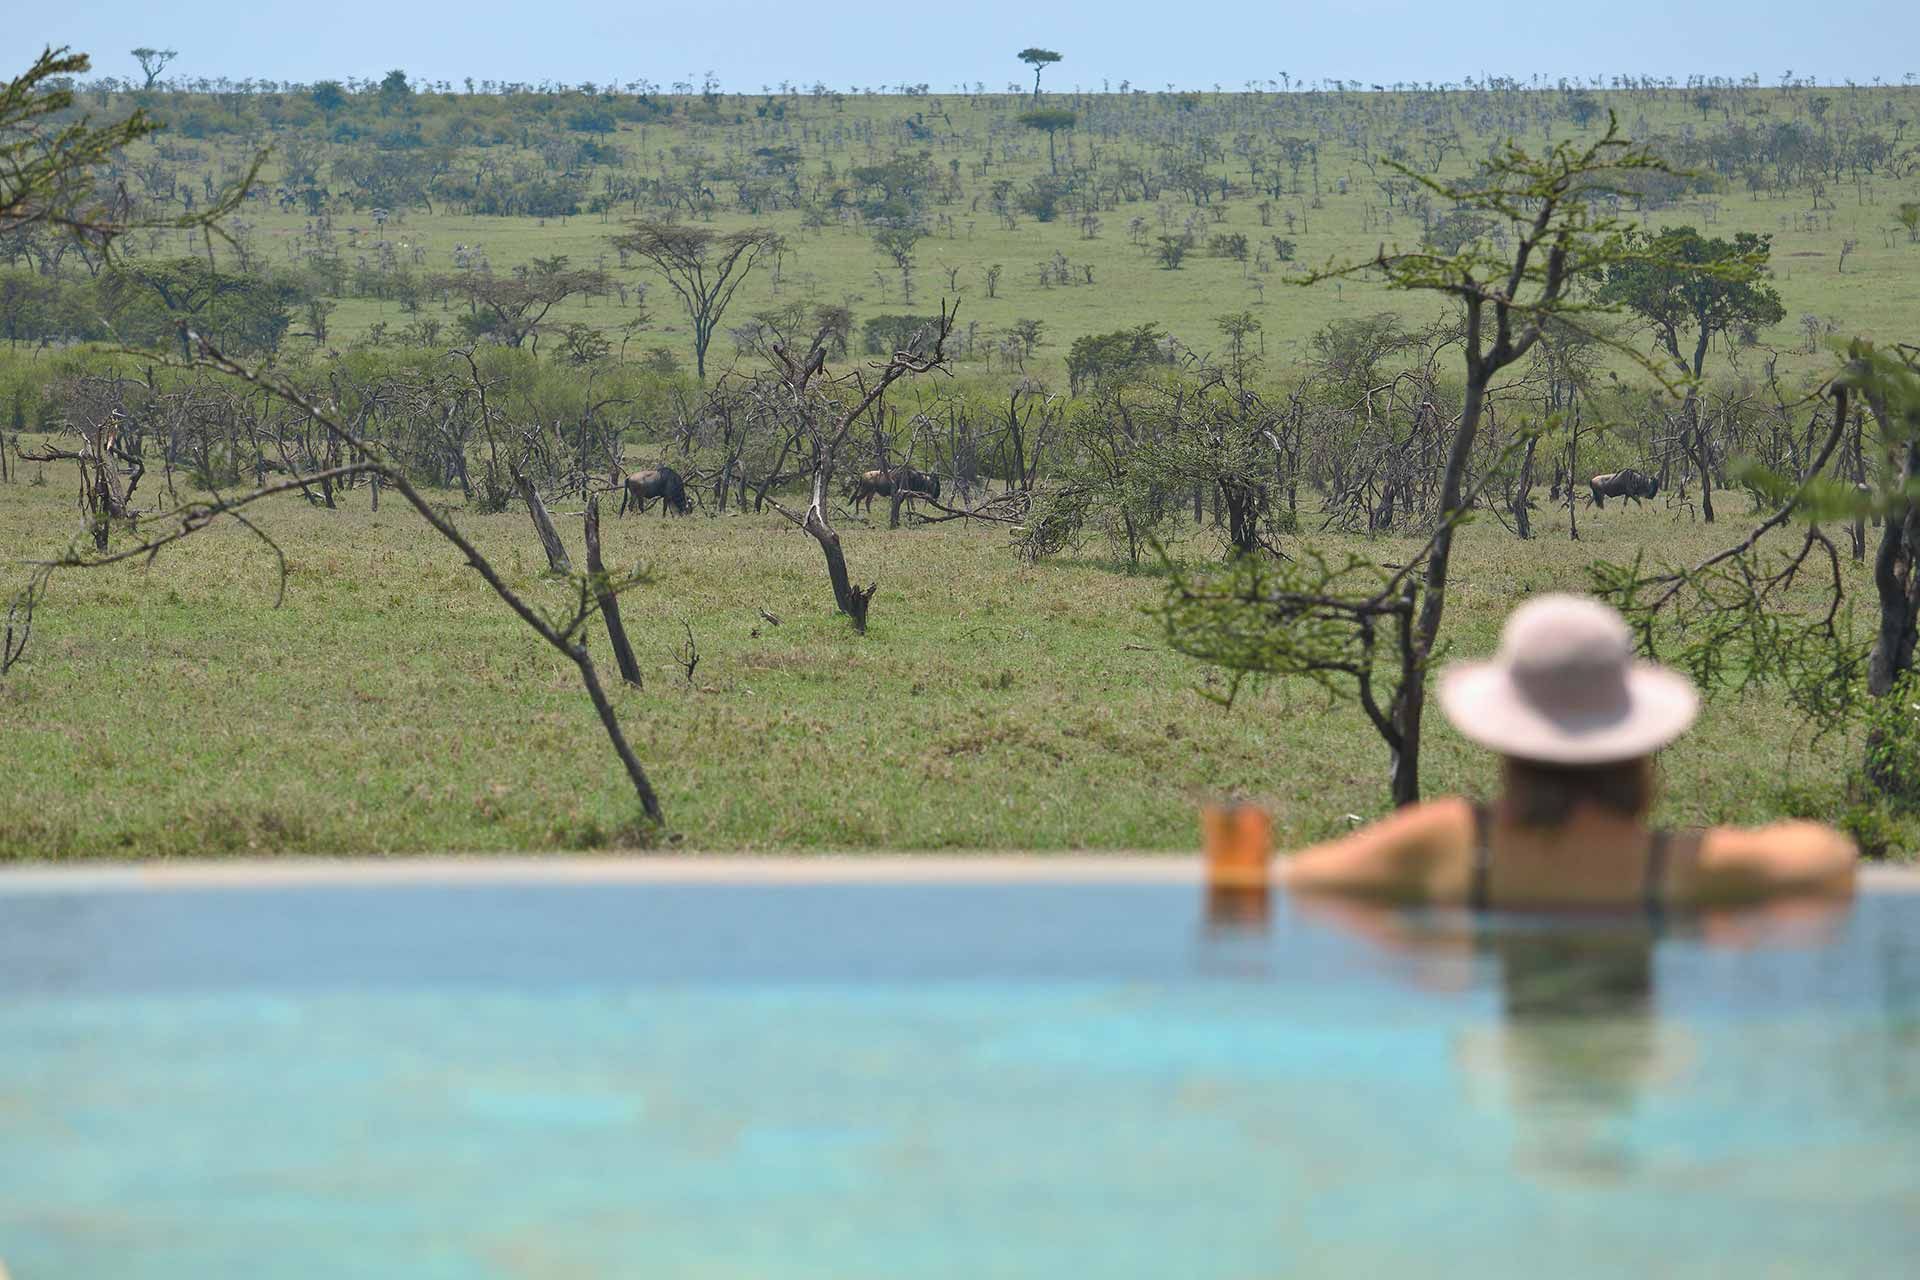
1660,850
1653,891
1480,887
1659,847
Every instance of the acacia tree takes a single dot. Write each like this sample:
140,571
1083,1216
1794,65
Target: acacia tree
706,268
46,168
1310,617
152,63
898,242
1680,282
510,309
1039,59
1051,120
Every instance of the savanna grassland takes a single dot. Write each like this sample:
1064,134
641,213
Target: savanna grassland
997,700
363,205
391,704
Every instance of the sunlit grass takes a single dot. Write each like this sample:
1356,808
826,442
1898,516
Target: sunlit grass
393,705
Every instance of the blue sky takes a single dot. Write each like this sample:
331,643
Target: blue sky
748,43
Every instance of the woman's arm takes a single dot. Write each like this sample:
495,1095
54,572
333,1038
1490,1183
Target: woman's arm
1415,855
1742,864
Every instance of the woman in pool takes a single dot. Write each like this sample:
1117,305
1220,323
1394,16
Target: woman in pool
1576,720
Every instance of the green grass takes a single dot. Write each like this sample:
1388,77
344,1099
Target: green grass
393,705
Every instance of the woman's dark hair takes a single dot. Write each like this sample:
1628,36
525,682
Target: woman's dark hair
1545,795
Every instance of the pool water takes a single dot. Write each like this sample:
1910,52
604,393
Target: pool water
941,1080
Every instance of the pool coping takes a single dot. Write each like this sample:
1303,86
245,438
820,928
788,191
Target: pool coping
712,869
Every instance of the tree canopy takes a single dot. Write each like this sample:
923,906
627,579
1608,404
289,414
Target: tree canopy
1039,59
705,268
1680,281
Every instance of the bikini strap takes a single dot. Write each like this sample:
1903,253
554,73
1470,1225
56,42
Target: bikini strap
1653,891
1479,890
1661,848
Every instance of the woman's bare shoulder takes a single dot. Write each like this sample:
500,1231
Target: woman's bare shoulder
1789,856
1414,853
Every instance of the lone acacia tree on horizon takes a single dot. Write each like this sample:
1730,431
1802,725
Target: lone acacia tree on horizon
706,268
1039,59
152,63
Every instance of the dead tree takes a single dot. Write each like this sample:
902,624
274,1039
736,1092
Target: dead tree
543,525
609,599
364,460
813,405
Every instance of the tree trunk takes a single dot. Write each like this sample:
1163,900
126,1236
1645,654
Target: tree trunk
649,802
1521,488
1573,484
1859,481
1899,591
1701,461
543,525
1411,704
1896,585
609,602
851,600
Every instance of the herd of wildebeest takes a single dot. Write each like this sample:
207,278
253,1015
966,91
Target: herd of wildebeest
669,488
666,486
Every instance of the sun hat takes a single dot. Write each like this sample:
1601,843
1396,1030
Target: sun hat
1565,689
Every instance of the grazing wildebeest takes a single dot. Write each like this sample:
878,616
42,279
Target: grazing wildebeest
663,483
1622,484
869,485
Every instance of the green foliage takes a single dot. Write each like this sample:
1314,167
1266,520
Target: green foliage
1583,108
245,315
1261,618
41,309
1229,244
394,90
1350,353
592,120
1680,281
1738,625
1041,199
884,335
1560,198
1457,230
1893,743
1048,119
1908,215
1097,359
47,160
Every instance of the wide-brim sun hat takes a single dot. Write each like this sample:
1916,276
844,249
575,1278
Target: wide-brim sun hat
1565,688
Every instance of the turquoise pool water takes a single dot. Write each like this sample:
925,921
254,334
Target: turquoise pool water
959,1080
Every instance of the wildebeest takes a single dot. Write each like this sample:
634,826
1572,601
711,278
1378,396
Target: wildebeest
1622,484
663,483
869,485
